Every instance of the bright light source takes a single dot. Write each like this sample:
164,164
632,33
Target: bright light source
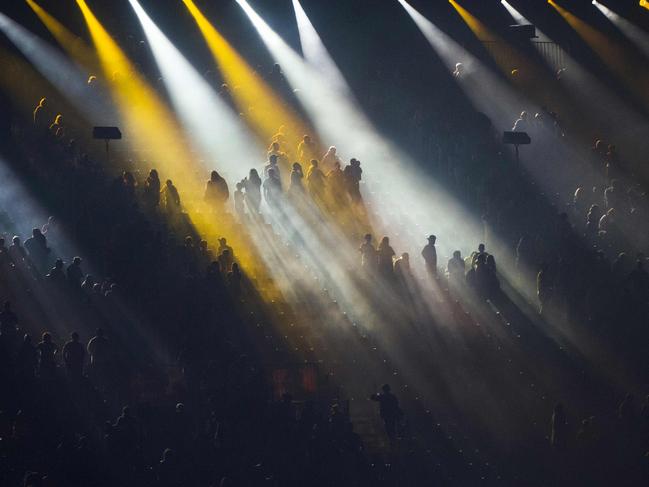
521,20
634,33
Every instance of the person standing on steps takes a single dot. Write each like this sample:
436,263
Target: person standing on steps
389,410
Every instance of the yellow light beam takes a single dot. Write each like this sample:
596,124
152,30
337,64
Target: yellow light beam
645,4
24,83
478,28
516,65
73,45
157,134
148,119
262,107
619,60
509,59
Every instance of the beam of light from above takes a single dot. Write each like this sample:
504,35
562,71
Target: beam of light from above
261,106
645,4
217,130
315,52
517,65
26,85
155,133
22,212
478,28
508,58
521,20
448,51
218,133
73,45
477,81
420,204
630,70
150,128
67,77
609,115
635,34
400,190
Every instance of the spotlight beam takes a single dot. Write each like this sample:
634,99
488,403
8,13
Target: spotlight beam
262,107
521,20
315,52
69,79
220,135
629,70
399,185
73,45
636,35
150,128
478,82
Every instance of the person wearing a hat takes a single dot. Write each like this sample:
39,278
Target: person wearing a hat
429,253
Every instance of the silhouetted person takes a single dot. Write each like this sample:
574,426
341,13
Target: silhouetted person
429,253
47,355
296,187
272,164
216,191
57,129
402,269
74,273
315,180
170,198
73,356
235,279
152,189
227,260
521,124
273,189
239,201
17,253
42,114
100,351
385,255
369,255
455,268
38,250
307,150
336,187
56,274
474,255
389,410
353,175
276,150
592,221
330,159
252,187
